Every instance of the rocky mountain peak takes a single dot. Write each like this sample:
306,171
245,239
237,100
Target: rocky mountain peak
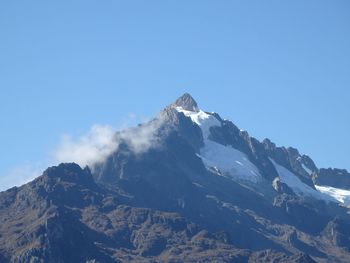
186,186
187,102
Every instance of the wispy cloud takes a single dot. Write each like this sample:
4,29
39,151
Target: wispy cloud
102,140
90,148
142,138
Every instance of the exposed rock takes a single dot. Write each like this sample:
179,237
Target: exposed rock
186,102
339,178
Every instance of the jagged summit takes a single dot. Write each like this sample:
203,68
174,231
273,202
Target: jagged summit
187,102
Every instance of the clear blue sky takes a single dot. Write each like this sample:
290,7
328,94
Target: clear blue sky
279,69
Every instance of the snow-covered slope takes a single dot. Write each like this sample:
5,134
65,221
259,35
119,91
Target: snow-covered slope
202,119
341,195
230,162
297,185
225,160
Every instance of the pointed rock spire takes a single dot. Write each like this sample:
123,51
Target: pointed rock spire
186,102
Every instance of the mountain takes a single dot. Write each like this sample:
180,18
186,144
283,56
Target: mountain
187,186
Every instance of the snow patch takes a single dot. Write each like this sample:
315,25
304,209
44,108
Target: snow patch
198,185
341,195
309,171
229,161
224,160
202,119
297,185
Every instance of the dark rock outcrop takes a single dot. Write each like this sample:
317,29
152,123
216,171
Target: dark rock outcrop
338,178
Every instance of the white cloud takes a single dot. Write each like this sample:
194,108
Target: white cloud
102,140
142,138
89,149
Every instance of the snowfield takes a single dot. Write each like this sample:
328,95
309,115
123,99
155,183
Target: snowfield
297,185
230,162
202,119
341,195
226,160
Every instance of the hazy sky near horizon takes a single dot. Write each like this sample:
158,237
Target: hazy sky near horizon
278,69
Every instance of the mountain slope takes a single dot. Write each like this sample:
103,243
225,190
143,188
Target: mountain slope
199,189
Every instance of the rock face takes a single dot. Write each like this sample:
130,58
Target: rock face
186,102
338,178
178,201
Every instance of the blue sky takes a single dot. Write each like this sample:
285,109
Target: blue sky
279,69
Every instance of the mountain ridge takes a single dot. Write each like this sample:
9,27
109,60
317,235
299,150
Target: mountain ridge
200,190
